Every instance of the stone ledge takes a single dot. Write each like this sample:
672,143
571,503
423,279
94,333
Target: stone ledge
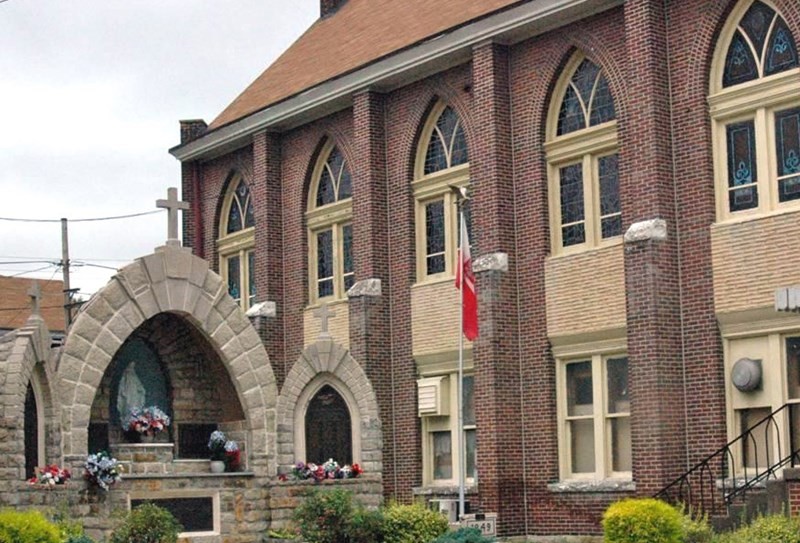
193,475
367,287
649,230
607,485
263,309
491,262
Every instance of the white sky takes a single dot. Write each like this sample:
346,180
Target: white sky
91,92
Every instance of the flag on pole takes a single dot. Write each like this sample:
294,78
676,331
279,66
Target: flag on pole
469,296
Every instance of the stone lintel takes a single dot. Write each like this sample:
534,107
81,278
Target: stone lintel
649,230
366,287
263,309
491,262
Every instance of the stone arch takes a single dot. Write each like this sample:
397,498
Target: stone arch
23,361
171,280
328,363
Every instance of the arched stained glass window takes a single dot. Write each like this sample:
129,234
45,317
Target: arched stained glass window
240,214
756,127
587,100
236,244
329,432
330,223
447,146
583,164
762,45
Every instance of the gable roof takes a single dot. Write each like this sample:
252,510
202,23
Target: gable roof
359,33
15,305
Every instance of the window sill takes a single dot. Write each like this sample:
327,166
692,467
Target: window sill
588,487
444,490
435,280
577,251
752,216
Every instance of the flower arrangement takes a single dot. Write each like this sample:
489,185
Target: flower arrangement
327,470
50,476
102,470
147,420
224,450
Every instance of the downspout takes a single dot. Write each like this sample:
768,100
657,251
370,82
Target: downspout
198,241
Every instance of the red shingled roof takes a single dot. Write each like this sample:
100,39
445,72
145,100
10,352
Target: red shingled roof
15,305
360,32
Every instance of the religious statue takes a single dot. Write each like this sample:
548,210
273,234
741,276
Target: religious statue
131,393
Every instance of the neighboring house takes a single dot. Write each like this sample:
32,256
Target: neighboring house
15,304
634,171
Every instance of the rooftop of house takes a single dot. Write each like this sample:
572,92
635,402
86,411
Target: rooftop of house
15,303
357,34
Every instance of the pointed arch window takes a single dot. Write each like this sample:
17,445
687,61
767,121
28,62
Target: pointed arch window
236,244
442,163
329,219
328,431
583,160
755,110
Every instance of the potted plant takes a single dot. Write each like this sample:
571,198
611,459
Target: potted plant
102,470
147,422
50,476
216,444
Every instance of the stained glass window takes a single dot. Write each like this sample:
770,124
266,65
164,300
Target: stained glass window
334,182
329,431
240,214
325,263
234,278
587,100
787,143
742,170
447,147
435,237
573,230
610,216
762,45
347,254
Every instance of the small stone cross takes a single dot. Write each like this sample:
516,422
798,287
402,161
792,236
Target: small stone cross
323,313
172,205
35,293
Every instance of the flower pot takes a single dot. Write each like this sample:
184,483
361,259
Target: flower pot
217,466
147,438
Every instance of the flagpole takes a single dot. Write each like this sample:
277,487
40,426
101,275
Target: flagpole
461,444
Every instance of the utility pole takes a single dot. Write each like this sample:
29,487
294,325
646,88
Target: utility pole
65,271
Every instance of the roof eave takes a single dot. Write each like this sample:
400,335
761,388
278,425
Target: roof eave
437,53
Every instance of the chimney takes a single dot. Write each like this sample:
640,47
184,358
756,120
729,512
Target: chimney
192,129
329,7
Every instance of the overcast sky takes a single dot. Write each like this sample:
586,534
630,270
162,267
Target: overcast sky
91,92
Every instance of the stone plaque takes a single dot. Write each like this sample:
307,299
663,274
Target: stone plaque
485,522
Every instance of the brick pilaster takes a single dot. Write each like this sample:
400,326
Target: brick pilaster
651,271
497,364
267,199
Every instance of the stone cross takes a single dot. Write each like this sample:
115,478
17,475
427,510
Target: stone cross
323,313
35,293
172,205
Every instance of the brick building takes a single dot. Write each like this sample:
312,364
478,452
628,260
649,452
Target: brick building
633,170
634,178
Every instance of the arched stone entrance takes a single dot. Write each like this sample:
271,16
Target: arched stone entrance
326,363
171,281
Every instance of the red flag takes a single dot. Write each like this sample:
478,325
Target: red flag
469,297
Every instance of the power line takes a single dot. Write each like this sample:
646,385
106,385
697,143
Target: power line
92,219
33,271
24,308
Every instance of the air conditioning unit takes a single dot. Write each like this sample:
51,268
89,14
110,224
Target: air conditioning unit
432,396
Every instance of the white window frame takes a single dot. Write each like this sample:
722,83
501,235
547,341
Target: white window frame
585,146
332,217
756,100
598,357
239,243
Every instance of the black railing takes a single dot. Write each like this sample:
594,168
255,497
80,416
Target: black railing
725,476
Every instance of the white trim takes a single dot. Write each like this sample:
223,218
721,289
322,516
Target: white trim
432,55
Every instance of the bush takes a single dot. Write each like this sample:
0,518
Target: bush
79,539
148,523
695,529
768,529
365,526
27,527
641,521
324,516
412,524
464,535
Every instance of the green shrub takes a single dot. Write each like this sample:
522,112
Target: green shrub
695,529
80,539
412,524
148,523
768,529
464,535
27,527
324,516
365,526
641,521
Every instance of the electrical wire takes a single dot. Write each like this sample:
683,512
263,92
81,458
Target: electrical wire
92,219
32,271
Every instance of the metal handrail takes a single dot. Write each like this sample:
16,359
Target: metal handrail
712,484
